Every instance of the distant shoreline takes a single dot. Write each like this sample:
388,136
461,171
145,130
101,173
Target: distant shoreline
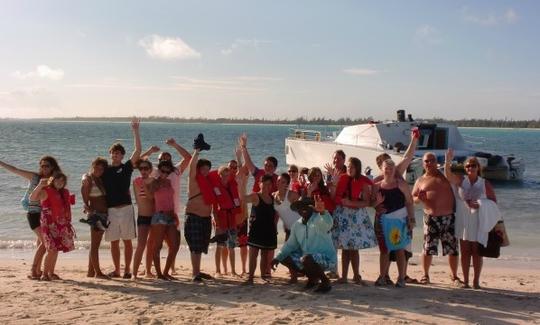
474,123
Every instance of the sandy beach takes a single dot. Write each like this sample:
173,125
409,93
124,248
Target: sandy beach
510,295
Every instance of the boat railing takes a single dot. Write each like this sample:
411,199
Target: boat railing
309,135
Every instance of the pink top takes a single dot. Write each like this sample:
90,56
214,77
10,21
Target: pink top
164,199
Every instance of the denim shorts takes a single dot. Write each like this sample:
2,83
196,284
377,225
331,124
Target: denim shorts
160,218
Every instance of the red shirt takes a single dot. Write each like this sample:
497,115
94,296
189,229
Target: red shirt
350,188
258,174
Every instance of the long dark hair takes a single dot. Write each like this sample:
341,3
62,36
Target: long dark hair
357,166
55,168
322,187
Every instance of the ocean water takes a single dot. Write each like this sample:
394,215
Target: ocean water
76,144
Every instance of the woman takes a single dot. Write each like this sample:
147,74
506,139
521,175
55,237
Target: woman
393,196
283,198
352,229
56,229
164,220
145,210
262,227
317,187
95,206
47,166
297,184
471,189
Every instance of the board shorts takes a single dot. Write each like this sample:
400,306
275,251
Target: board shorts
440,228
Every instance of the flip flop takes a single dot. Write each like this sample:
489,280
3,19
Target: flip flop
410,280
425,280
205,276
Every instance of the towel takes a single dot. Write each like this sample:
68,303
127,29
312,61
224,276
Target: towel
488,216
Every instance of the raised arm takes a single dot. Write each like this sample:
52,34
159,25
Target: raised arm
252,198
186,156
242,141
17,171
136,155
402,166
452,178
149,152
39,194
193,165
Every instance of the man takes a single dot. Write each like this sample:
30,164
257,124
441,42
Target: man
309,249
198,221
270,166
117,182
434,191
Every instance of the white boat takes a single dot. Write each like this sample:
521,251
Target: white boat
307,148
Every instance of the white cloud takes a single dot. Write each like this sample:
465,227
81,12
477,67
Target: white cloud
427,34
168,48
240,43
361,72
30,102
510,16
41,72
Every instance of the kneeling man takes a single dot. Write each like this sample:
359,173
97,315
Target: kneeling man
309,249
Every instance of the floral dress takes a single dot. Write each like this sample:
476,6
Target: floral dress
58,233
353,228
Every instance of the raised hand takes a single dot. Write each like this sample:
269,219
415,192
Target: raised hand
242,140
319,204
154,149
43,182
449,155
171,142
135,122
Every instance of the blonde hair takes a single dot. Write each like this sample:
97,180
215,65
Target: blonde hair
56,176
223,169
389,162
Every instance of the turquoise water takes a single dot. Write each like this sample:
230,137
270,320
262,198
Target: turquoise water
76,144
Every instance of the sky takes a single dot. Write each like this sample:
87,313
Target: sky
271,59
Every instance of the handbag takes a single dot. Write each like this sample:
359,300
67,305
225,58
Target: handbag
493,248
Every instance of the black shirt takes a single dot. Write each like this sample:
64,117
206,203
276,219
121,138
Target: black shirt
117,181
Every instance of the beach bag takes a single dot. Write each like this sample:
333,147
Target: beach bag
493,248
501,230
396,233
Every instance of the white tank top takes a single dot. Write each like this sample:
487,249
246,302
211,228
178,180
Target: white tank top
288,216
476,191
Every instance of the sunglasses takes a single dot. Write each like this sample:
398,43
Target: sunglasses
471,166
144,168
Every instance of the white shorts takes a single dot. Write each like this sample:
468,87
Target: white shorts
122,224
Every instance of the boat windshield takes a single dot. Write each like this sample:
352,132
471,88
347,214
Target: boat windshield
433,138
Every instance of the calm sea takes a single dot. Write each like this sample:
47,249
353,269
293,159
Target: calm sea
75,144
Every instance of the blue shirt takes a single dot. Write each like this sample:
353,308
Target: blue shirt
311,238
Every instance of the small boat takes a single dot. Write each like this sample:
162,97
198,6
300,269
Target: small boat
308,148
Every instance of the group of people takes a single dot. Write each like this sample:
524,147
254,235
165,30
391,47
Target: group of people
321,212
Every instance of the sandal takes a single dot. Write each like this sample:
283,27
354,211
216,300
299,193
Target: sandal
425,280
113,275
380,282
410,280
456,281
358,280
127,276
205,276
55,277
342,281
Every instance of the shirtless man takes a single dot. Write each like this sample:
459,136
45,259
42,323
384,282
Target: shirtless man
434,191
198,222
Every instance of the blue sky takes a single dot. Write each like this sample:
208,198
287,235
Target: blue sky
274,59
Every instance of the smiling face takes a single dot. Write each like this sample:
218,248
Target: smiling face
429,162
472,167
283,183
338,161
145,169
204,170
388,168
266,187
351,169
116,157
59,183
98,170
269,167
45,168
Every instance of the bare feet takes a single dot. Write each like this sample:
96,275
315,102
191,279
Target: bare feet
150,275
45,278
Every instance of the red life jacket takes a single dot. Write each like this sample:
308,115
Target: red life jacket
227,197
350,188
206,189
59,203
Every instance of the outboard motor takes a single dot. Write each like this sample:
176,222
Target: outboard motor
401,115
